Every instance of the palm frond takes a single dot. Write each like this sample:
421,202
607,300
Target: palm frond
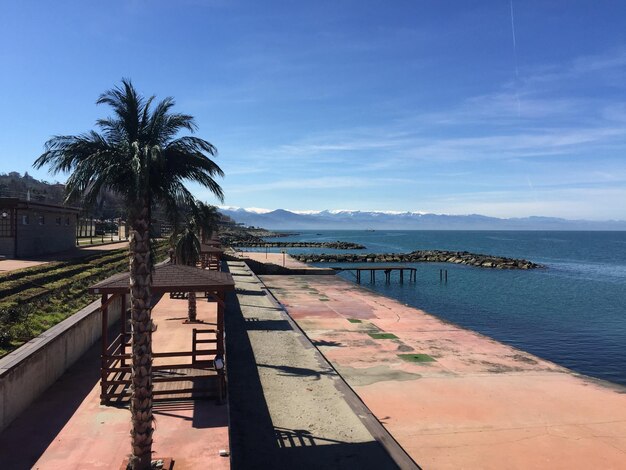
136,153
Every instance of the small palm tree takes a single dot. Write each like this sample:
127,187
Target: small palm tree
188,252
138,155
207,218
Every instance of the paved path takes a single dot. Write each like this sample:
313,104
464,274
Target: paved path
478,405
68,429
274,258
288,408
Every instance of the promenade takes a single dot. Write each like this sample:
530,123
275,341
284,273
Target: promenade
451,397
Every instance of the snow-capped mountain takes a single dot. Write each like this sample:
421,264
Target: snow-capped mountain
281,219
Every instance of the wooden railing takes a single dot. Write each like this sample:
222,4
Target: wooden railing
116,369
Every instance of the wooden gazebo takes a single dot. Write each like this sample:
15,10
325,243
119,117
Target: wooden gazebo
210,257
116,369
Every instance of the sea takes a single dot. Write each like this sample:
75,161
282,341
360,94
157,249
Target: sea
571,312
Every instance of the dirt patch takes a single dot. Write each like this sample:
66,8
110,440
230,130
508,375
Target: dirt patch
405,348
358,377
523,358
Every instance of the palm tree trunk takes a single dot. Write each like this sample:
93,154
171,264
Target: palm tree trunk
141,375
192,306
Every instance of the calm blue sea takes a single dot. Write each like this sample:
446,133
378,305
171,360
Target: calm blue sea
573,312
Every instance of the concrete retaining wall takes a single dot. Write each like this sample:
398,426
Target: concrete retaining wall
30,370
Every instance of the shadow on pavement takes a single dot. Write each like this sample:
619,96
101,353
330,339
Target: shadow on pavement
254,441
24,441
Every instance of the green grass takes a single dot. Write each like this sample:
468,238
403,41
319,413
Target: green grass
35,299
354,320
383,335
416,357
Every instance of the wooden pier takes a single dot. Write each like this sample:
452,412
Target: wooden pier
386,269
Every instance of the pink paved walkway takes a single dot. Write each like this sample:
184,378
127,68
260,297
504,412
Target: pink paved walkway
97,436
274,258
479,405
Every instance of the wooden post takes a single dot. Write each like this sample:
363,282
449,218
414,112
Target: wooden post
401,276
446,275
193,345
123,317
220,325
103,358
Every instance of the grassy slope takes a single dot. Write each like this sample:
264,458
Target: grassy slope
35,299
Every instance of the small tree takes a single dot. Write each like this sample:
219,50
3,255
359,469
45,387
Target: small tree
188,252
207,219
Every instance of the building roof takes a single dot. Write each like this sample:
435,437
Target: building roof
14,202
207,248
170,278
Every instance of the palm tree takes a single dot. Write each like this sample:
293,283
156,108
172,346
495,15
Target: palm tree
138,155
207,218
188,252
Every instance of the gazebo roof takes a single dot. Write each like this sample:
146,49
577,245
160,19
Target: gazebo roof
170,278
208,248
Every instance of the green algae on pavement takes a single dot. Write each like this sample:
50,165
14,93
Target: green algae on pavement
416,357
383,335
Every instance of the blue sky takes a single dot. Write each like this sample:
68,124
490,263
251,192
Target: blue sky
403,105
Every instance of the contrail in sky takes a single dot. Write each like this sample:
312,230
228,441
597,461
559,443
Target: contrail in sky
515,57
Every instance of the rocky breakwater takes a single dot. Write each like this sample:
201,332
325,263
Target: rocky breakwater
422,256
338,245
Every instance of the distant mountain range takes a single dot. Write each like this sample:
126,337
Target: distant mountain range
281,219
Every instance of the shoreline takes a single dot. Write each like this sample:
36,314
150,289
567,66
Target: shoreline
297,265
620,388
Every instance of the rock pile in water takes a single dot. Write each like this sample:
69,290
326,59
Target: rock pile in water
338,245
422,256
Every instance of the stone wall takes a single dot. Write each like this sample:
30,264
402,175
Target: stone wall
338,245
30,370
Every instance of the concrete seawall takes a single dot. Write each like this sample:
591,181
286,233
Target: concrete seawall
28,371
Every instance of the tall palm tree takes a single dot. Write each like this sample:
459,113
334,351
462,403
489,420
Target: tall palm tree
138,155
